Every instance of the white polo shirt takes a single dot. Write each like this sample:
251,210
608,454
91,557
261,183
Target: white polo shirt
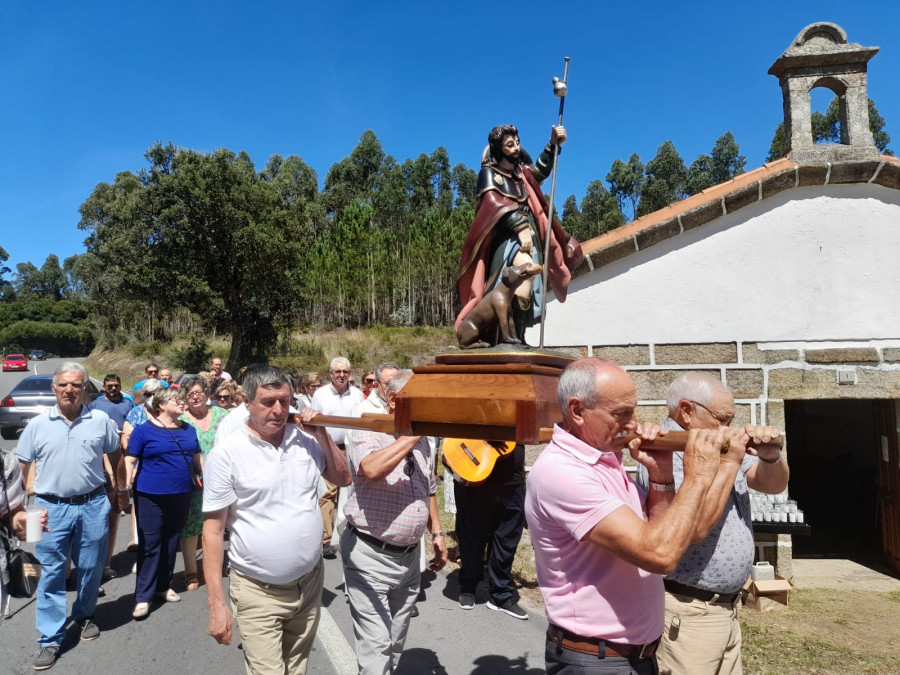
273,509
329,402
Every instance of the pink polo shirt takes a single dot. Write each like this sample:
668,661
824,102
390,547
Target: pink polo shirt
587,589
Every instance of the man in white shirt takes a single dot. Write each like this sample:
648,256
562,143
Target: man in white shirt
261,482
338,398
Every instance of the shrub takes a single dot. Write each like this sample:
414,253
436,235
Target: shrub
194,356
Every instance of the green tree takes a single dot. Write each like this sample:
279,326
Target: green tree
571,215
626,180
827,129
665,180
599,212
7,292
206,232
724,162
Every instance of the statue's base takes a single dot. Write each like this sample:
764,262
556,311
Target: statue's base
498,394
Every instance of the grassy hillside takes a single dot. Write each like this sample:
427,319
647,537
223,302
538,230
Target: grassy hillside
299,353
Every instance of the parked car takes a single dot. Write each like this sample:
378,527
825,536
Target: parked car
28,399
15,362
38,355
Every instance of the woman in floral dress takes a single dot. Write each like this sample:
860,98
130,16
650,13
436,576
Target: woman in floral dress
205,419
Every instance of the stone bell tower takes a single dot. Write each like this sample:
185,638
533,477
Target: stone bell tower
820,56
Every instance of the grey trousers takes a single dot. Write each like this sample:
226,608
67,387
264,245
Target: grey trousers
382,587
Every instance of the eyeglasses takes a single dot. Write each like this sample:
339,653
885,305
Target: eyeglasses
152,372
370,380
340,372
196,395
725,420
223,397
410,468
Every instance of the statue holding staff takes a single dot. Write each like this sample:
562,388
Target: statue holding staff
511,221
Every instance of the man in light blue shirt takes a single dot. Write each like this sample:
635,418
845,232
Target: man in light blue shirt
68,445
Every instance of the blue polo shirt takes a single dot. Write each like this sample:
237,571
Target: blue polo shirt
68,458
116,411
164,455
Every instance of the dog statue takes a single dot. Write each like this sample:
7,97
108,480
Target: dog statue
495,311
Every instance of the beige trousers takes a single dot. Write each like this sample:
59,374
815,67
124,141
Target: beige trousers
277,621
708,641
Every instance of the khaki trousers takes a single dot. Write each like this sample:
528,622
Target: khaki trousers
277,621
328,504
708,641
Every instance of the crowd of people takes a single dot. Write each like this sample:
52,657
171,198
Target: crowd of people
637,576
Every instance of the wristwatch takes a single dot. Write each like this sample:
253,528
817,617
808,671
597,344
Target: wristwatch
662,487
435,535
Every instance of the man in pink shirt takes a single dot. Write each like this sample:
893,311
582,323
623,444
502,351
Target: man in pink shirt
600,543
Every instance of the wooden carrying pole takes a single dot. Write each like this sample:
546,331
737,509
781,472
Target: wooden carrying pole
674,441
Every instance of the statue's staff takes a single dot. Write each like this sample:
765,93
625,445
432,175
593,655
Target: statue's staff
559,90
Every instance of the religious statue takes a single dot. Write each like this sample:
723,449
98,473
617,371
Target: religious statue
509,229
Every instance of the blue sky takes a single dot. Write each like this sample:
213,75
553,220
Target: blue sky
86,88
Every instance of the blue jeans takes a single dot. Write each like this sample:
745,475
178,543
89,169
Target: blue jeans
82,529
562,661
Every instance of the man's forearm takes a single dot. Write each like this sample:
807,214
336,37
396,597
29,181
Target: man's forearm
378,465
213,556
336,469
714,504
770,478
670,533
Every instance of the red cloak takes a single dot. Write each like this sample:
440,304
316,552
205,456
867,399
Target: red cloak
565,252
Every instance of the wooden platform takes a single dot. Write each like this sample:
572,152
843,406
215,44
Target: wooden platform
490,394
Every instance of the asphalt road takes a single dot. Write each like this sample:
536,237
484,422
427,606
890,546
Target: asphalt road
444,639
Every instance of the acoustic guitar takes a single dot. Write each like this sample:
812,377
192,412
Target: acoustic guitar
471,461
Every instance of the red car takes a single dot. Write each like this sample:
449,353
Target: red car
15,362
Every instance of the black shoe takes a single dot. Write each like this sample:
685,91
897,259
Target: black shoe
89,630
511,607
467,600
329,551
46,657
414,612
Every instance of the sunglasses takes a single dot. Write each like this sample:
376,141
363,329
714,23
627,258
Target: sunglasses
153,372
410,468
370,381
223,397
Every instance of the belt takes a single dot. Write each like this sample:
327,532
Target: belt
377,543
700,594
77,499
592,646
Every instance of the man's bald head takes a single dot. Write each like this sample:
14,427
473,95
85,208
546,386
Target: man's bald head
597,399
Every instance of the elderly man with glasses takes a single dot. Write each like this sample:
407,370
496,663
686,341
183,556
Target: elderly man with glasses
392,504
339,399
68,444
702,634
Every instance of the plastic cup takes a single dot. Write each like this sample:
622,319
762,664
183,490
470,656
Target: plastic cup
34,531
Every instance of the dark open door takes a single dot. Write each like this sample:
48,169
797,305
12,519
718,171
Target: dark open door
886,414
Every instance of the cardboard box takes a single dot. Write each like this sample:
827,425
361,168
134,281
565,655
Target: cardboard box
766,596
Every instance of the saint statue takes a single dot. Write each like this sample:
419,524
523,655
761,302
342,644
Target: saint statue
509,229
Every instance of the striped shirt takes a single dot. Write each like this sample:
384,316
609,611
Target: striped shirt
394,509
